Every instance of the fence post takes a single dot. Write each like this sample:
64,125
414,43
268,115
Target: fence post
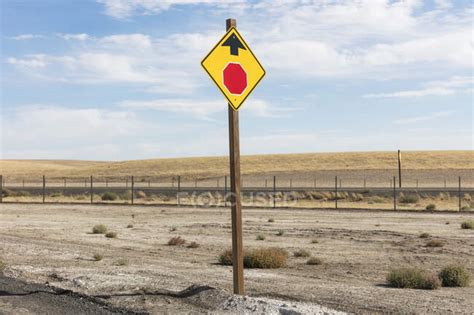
274,192
92,190
1,188
106,182
266,183
394,194
417,184
133,190
149,184
179,189
64,182
85,182
365,183
44,188
195,182
445,183
335,197
459,190
291,183
315,182
23,183
225,191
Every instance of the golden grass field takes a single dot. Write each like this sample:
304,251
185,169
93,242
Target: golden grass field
250,165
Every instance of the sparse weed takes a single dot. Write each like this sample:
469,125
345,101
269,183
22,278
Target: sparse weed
455,276
413,278
265,258
111,234
109,196
314,241
412,198
424,235
261,237
140,194
271,220
122,262
193,245
99,229
173,229
468,225
258,258
177,240
2,266
98,257
314,261
431,207
434,243
280,233
301,253
129,226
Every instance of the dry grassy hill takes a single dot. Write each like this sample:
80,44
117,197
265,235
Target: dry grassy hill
251,165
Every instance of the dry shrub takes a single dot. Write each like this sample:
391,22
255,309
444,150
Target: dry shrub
2,266
280,233
431,207
225,258
265,258
111,234
411,198
177,240
317,196
468,225
98,257
99,229
377,199
434,243
424,235
258,258
301,253
314,261
109,196
260,237
465,208
129,226
193,245
122,262
455,276
314,241
413,278
140,194
271,220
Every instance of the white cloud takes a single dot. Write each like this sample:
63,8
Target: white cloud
34,61
26,37
201,108
79,37
434,88
411,120
134,41
123,9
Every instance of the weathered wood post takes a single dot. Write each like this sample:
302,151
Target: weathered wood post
1,188
459,194
274,192
92,190
399,169
335,197
44,188
133,190
394,194
178,191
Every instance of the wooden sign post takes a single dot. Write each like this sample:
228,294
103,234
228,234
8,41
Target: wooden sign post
234,150
399,169
236,72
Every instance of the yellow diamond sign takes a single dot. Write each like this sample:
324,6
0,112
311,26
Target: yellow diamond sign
233,67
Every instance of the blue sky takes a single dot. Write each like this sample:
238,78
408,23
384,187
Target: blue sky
121,79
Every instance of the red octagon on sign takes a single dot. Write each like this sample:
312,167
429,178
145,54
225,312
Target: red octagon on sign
235,78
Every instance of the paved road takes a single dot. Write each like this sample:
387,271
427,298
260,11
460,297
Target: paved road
17,298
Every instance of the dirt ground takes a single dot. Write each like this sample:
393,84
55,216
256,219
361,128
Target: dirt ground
54,244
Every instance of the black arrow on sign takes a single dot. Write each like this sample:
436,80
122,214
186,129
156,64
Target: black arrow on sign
234,43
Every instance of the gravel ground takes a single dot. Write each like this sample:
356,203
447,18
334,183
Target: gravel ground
53,244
